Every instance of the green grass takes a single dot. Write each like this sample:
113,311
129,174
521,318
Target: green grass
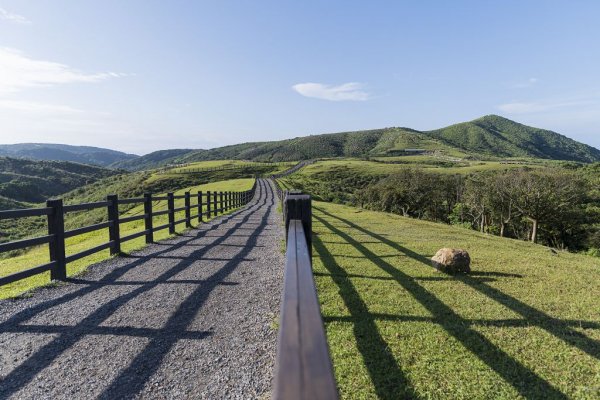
524,324
428,163
39,255
226,164
337,179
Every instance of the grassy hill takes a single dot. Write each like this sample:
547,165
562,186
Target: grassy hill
151,160
488,137
28,181
63,152
523,324
494,135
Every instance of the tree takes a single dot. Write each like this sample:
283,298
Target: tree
542,195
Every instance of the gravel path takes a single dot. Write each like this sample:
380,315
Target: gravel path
190,317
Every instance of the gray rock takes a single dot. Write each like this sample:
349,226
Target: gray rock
452,260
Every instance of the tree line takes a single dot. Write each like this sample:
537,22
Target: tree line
552,206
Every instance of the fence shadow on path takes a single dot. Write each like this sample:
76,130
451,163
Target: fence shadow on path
131,380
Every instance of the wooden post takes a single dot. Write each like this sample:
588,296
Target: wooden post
188,211
208,212
171,206
56,227
298,206
148,226
215,212
200,206
114,232
222,204
228,200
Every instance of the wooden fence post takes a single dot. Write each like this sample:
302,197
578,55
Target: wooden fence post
200,206
298,206
171,207
148,226
56,227
222,206
188,211
208,200
215,212
114,231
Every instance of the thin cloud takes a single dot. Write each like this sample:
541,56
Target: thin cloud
351,91
8,16
18,72
526,84
37,109
543,106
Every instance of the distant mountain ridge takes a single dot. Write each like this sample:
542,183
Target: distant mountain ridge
488,136
151,160
62,152
30,181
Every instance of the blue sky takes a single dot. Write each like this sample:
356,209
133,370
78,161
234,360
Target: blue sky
145,75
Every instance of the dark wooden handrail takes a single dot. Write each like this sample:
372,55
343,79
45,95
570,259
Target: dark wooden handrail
303,369
55,212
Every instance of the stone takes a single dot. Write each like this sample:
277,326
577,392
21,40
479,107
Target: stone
452,260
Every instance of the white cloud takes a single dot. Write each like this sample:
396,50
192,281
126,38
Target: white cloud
18,72
8,16
352,91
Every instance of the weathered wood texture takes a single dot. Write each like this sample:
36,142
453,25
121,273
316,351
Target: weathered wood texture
303,368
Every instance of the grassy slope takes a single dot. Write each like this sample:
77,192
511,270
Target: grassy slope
230,164
525,323
39,255
335,180
34,181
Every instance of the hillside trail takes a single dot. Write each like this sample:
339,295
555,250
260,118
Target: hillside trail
189,317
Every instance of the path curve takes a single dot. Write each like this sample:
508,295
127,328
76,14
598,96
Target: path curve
189,317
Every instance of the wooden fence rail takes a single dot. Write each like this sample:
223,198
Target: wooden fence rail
303,367
55,212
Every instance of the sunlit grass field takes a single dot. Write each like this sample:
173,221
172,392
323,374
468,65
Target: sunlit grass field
524,324
428,163
40,255
225,164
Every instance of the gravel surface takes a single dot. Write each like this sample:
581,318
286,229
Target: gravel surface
189,317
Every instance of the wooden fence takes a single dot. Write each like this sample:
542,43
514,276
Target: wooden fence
55,211
303,368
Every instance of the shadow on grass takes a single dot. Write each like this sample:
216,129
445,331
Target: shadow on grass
385,373
556,327
525,381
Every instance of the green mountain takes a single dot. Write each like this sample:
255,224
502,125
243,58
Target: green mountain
63,152
151,160
27,181
490,136
501,137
